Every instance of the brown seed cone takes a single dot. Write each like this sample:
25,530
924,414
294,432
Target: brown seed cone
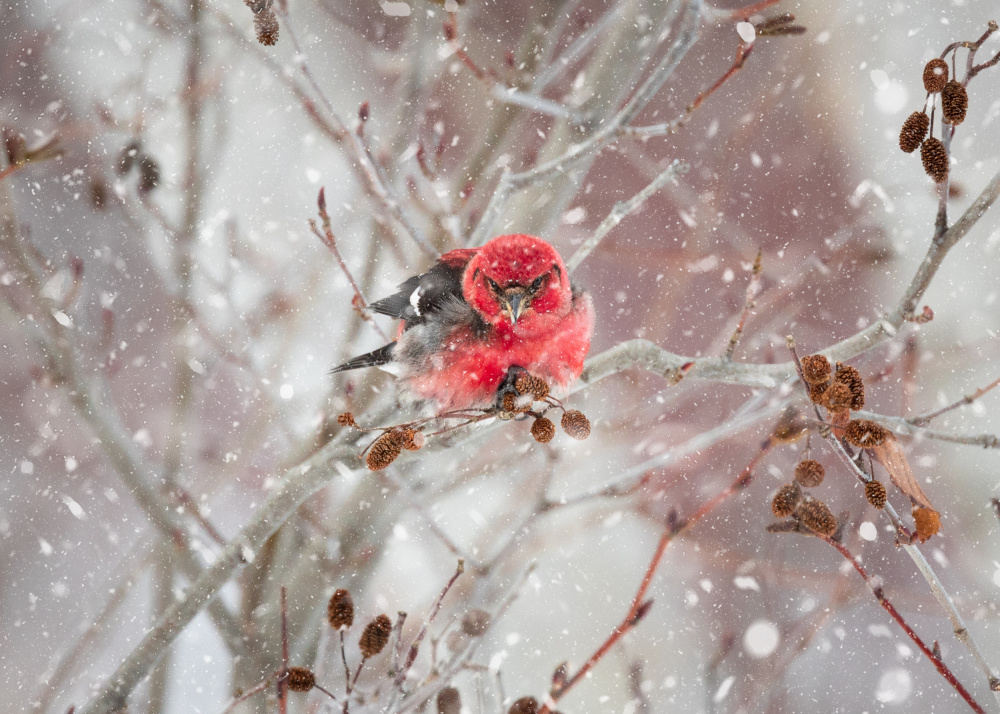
875,493
815,369
413,440
266,26
385,450
543,430
817,516
524,705
340,610
346,419
375,636
809,473
816,392
851,378
837,397
927,521
865,434
537,388
449,701
954,102
510,404
935,159
475,623
785,500
576,424
913,132
300,679
935,75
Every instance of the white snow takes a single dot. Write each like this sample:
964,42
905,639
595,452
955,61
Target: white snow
761,639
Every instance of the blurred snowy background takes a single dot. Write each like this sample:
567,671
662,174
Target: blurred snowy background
169,359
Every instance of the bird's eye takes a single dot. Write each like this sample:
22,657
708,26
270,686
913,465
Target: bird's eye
537,283
493,285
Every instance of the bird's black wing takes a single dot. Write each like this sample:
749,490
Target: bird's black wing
383,355
423,294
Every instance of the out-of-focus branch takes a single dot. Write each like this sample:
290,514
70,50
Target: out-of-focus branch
689,25
923,419
92,407
622,209
371,178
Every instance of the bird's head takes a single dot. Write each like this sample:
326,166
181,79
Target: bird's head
517,279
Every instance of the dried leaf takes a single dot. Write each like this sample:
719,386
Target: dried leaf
890,455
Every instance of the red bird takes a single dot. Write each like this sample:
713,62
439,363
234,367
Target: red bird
480,318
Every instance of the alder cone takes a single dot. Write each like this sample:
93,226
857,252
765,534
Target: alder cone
340,610
913,132
935,75
935,159
816,368
809,473
875,493
785,500
300,679
818,517
954,102
375,637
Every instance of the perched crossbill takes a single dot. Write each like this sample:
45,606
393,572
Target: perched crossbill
479,319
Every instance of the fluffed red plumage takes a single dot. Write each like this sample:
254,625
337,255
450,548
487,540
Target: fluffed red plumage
477,313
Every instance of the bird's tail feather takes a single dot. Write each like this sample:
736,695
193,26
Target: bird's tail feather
383,355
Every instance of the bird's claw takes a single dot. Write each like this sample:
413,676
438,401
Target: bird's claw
507,386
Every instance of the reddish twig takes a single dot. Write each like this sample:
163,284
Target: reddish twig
411,656
879,594
748,303
742,53
640,605
451,35
330,241
923,419
283,672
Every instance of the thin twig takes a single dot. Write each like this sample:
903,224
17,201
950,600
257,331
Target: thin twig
887,605
247,694
640,605
609,132
330,241
411,656
672,127
622,209
364,166
922,419
748,304
283,672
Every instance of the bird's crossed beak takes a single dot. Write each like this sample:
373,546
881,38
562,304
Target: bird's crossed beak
514,303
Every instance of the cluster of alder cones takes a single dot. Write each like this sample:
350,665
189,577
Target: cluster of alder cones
530,390
840,391
918,130
375,637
